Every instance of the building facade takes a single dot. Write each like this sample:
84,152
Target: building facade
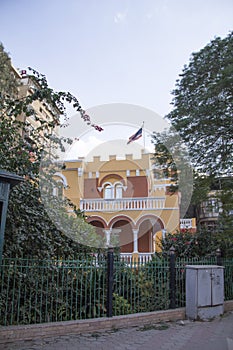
124,200
40,110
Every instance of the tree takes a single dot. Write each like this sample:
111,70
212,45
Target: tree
203,104
171,160
202,115
29,230
8,80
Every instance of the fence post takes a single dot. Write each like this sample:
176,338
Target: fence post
219,257
109,281
172,278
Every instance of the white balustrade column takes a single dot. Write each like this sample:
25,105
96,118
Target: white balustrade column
135,241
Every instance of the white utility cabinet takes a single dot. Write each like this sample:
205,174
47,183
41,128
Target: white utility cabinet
204,291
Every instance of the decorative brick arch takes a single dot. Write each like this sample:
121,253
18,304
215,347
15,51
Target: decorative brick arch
152,218
116,176
97,218
121,217
123,227
148,226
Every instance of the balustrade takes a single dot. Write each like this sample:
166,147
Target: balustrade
186,223
142,258
122,204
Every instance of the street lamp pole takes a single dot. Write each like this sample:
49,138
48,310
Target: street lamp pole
7,181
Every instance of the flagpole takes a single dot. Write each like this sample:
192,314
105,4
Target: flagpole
144,140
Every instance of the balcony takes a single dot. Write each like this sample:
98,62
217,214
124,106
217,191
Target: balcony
209,215
141,258
187,224
111,205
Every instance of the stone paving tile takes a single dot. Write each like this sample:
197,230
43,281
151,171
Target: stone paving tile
214,335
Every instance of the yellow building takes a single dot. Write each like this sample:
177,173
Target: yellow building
41,110
124,200
122,197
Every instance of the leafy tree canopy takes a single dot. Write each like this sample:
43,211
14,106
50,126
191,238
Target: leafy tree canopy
171,161
203,104
202,116
8,81
29,230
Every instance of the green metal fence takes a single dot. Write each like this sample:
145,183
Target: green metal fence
140,287
228,278
47,291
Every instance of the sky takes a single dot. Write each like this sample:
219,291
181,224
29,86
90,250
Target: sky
112,51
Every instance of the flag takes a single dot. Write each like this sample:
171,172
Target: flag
135,136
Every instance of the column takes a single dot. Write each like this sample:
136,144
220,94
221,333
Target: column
151,242
135,241
164,231
107,236
115,236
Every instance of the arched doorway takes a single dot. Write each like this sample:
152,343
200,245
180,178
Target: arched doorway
125,235
147,229
145,237
99,227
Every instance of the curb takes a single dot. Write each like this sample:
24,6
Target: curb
45,330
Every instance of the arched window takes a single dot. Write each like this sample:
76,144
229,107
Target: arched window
118,191
108,192
114,191
63,179
61,184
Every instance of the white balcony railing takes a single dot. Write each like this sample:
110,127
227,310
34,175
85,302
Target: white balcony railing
141,257
186,223
122,204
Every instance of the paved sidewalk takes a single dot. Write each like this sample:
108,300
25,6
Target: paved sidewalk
182,335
